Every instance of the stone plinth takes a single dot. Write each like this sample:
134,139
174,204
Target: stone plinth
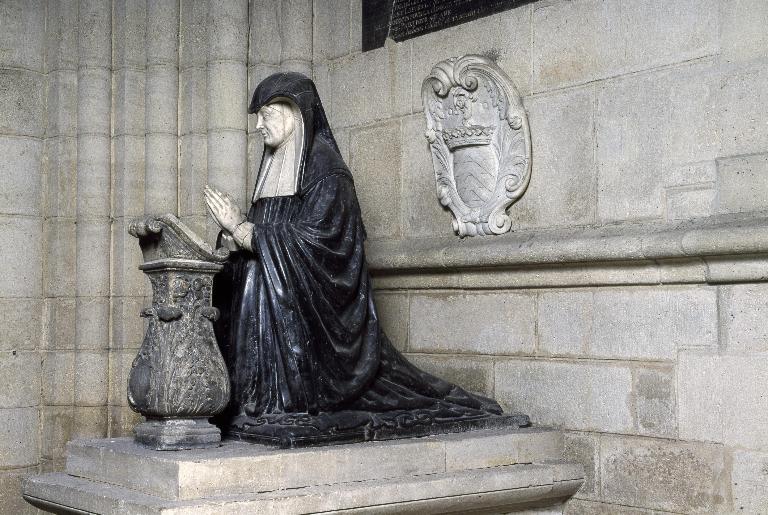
481,470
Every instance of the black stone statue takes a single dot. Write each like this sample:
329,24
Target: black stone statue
308,360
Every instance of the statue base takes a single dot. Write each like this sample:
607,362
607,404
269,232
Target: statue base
288,431
178,434
486,471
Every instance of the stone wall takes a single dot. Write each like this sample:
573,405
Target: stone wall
626,307
110,110
629,305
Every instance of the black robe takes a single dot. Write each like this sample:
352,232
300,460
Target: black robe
299,328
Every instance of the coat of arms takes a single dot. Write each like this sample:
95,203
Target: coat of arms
481,146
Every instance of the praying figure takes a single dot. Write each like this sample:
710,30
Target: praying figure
308,361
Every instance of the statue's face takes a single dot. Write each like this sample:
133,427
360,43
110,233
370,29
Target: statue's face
275,123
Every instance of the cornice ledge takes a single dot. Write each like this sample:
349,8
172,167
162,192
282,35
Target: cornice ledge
722,235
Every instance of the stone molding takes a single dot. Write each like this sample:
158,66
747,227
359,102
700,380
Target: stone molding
715,241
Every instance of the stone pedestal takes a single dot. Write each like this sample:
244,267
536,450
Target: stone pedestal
179,379
481,471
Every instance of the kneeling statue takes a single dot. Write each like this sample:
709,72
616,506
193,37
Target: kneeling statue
308,361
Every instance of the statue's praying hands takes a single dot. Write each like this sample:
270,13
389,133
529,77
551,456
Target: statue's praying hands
227,214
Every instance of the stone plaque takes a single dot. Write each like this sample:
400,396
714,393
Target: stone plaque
405,19
478,134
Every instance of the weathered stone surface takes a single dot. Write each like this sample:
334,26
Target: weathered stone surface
375,161
584,448
193,173
19,440
162,86
128,186
330,30
23,35
92,323
130,90
749,481
21,372
655,401
472,374
129,33
59,320
690,202
193,33
741,100
562,188
10,488
352,85
161,177
742,30
20,174
653,322
60,241
597,39
59,373
93,249
742,182
193,112
62,35
584,396
227,166
393,310
95,34
61,172
491,323
584,507
565,322
127,325
295,27
94,91
62,103
89,422
228,31
22,275
56,425
93,174
265,30
162,27
227,95
91,378
662,474
504,37
631,160
20,320
22,103
422,213
744,308
724,399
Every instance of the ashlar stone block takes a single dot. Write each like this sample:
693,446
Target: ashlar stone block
22,274
655,401
91,378
562,187
742,183
584,448
724,399
56,427
20,175
23,36
599,39
488,323
653,323
631,157
228,31
330,29
21,373
422,213
583,396
22,103
503,37
21,323
375,164
393,311
565,322
19,440
742,29
744,308
741,99
10,488
749,482
59,378
663,474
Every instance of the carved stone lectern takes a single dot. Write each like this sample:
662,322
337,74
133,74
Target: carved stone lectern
179,379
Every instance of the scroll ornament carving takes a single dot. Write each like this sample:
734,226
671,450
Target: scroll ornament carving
480,142
178,379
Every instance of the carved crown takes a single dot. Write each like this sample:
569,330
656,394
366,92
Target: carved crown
467,136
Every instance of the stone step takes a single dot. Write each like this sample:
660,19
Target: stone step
239,468
502,489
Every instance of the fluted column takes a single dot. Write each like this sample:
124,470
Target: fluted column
161,183
129,287
94,88
227,98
